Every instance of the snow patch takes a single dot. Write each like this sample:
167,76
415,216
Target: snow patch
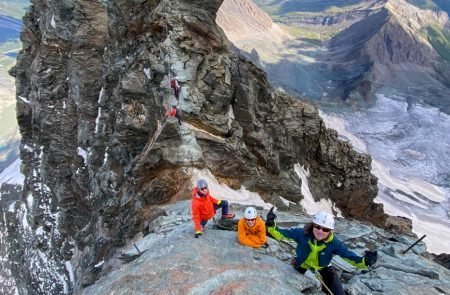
100,96
69,269
308,203
286,202
338,124
11,207
224,192
52,22
12,174
148,73
82,153
97,120
40,230
24,99
410,186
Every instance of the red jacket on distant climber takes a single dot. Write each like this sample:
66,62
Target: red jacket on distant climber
175,86
172,112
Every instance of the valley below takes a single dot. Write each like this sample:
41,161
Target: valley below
380,81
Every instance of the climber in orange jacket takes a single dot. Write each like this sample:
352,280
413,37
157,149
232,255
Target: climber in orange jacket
252,229
204,206
174,112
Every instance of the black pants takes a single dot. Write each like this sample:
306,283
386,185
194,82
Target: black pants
330,278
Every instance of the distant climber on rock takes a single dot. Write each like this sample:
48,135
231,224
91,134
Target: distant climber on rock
174,112
175,86
252,230
316,246
204,207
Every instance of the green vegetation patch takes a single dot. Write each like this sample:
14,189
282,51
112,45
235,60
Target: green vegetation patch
309,33
440,41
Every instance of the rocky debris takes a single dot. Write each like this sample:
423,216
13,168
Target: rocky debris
443,259
176,263
98,154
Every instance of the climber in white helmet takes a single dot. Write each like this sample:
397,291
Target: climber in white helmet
252,230
316,246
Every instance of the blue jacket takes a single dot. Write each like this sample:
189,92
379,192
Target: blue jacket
316,254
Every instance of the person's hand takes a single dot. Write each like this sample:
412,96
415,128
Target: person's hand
370,257
198,234
312,276
270,219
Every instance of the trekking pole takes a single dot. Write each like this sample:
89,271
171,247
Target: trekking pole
134,244
415,243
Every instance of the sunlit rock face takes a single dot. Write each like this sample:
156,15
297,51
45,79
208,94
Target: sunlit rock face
98,155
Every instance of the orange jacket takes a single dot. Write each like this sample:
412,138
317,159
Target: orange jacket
202,208
254,236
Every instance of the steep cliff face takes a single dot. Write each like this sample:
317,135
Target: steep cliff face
92,85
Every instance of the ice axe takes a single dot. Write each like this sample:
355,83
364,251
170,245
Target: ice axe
130,257
415,243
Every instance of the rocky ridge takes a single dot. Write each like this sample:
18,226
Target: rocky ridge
173,262
98,156
359,50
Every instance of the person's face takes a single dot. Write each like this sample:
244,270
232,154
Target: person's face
203,190
320,232
250,222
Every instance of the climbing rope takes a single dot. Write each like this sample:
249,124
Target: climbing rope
168,54
319,277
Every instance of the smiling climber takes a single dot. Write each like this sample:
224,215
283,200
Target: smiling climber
316,245
251,229
204,207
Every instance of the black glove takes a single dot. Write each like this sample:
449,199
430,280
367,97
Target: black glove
270,219
198,234
370,257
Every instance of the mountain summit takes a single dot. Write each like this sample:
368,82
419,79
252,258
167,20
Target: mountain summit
99,157
351,50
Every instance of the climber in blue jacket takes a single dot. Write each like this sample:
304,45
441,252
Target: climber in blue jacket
316,246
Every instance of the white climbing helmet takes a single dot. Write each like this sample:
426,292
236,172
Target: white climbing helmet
250,213
324,219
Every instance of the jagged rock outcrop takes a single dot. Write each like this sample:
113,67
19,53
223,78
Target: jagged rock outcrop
98,156
390,56
350,51
174,262
9,237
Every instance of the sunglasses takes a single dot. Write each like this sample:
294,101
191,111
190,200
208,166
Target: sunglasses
203,188
253,219
324,229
